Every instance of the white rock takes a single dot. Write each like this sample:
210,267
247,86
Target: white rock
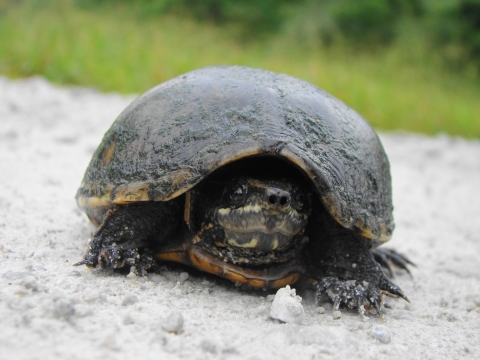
287,306
183,277
381,333
173,323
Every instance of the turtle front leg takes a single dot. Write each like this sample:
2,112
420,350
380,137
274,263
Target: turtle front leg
361,289
127,233
343,263
351,276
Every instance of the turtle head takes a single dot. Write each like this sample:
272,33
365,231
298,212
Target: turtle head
249,216
262,215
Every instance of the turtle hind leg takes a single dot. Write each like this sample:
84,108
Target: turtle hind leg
390,259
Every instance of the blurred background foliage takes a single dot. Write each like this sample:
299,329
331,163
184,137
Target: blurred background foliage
403,64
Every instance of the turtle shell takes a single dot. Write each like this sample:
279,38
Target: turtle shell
180,131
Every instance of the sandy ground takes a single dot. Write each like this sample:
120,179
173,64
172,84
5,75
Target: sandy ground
51,310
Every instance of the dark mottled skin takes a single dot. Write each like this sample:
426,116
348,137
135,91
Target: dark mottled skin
205,117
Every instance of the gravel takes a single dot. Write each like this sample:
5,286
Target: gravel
50,310
287,306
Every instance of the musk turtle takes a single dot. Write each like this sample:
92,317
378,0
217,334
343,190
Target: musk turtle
257,177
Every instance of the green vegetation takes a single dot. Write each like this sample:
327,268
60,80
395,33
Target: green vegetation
400,78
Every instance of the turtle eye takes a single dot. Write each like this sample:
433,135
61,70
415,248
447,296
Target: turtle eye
237,193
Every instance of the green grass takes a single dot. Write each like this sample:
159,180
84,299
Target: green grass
113,50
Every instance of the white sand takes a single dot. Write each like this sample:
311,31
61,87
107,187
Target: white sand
51,310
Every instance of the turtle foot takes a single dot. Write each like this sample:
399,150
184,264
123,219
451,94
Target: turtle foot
117,257
365,295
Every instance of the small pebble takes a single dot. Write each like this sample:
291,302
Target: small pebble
173,323
381,333
183,277
74,273
336,314
287,306
129,300
321,310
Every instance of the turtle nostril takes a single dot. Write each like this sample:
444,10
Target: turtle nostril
272,199
283,200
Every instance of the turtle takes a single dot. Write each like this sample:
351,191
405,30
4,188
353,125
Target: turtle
254,176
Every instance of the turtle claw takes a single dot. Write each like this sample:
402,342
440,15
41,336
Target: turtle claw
395,292
364,295
388,257
84,262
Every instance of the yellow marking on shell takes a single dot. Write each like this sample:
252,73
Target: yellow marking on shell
82,201
108,154
96,202
367,233
180,182
385,234
258,184
288,280
186,213
247,151
132,192
298,161
251,244
329,202
384,238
